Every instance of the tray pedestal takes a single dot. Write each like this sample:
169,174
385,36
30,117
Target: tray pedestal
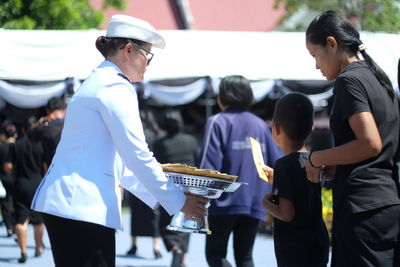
210,188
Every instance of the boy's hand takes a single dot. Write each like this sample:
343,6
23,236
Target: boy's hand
270,173
266,201
313,174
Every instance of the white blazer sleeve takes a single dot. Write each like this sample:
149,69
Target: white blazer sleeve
131,183
119,109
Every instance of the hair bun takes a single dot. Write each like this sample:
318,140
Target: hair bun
362,47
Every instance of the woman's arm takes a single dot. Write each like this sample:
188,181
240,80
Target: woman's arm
367,144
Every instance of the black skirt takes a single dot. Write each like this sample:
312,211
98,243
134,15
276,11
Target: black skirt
144,220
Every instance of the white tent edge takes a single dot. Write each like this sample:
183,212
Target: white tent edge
51,55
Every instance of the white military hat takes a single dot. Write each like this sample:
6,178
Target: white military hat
134,28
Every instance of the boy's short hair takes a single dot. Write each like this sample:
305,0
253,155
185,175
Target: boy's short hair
294,112
235,92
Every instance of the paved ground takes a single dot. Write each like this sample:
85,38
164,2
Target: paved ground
9,251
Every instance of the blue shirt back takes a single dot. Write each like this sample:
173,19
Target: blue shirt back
226,148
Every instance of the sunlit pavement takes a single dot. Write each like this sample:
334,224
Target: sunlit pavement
9,251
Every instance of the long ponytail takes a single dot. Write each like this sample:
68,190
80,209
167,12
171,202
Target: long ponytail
398,74
379,73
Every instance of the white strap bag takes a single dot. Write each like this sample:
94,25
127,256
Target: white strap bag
2,190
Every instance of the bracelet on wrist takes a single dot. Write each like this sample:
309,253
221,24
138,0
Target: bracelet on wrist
312,165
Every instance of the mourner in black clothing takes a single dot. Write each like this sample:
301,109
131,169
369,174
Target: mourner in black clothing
145,220
25,160
8,137
175,147
300,235
48,132
365,125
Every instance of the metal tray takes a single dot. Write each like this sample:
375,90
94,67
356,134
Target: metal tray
188,180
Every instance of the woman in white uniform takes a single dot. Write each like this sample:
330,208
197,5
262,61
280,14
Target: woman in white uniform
79,196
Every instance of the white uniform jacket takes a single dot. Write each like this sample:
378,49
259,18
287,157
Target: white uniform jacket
102,126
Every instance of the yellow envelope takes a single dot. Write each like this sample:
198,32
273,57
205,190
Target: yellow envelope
258,158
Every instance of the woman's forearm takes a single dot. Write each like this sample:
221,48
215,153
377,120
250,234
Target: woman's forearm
349,153
367,144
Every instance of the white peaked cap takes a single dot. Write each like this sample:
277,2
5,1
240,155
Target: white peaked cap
133,28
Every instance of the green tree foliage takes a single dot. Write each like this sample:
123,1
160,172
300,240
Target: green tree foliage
53,14
367,15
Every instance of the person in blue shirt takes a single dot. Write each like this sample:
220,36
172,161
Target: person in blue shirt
226,148
300,235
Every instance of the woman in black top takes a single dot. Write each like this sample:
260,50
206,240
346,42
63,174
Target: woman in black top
7,138
26,160
145,220
365,124
175,147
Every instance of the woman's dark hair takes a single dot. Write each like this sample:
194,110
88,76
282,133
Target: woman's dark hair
294,112
9,128
148,120
332,24
172,121
235,92
108,46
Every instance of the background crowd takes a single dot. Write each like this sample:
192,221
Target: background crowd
27,151
362,164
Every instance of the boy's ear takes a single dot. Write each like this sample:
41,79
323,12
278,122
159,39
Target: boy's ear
277,128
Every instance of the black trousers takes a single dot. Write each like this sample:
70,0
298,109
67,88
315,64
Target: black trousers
244,230
80,244
366,239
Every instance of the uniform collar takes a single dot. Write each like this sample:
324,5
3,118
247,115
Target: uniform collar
125,77
110,65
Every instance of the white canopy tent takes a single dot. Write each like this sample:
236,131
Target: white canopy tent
52,56
55,55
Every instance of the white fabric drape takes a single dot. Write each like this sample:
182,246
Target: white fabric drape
261,89
30,96
34,96
54,55
176,95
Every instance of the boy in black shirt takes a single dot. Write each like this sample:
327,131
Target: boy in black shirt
300,235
